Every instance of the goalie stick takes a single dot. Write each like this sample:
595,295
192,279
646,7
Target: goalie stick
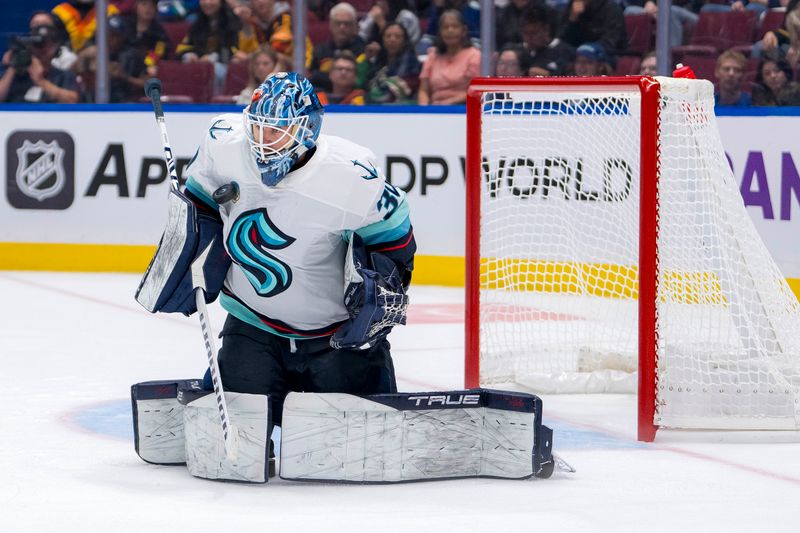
152,89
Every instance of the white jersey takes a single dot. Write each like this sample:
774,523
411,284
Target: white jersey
288,242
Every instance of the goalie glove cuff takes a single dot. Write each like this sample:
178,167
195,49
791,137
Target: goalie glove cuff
374,298
366,312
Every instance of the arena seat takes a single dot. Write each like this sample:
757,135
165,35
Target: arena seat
641,33
716,32
319,31
773,20
362,6
176,31
194,80
703,65
628,65
236,77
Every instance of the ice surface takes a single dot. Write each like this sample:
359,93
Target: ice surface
72,344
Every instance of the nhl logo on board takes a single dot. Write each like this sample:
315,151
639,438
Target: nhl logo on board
40,169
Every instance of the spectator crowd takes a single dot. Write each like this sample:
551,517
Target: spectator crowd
396,51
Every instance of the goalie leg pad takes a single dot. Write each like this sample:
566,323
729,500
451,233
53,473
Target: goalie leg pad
167,285
158,420
249,417
408,437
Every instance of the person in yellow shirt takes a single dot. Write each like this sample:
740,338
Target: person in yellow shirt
265,21
78,17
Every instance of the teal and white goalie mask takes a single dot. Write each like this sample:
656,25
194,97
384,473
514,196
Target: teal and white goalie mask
282,122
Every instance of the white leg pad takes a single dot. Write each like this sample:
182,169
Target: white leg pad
340,437
161,431
205,447
158,420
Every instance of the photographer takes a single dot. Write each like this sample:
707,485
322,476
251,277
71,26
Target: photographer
29,74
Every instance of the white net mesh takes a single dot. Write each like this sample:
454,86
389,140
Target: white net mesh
728,323
559,239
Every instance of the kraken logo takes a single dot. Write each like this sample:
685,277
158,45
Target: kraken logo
250,240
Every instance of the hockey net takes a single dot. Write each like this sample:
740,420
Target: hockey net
609,250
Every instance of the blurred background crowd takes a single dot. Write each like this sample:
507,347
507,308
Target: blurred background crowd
389,51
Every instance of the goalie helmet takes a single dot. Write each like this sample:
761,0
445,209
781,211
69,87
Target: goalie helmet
282,122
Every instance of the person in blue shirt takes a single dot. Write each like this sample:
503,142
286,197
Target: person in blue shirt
729,71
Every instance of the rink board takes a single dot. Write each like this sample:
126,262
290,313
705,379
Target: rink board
105,209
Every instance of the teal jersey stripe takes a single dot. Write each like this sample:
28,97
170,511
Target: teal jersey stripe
390,229
246,315
198,191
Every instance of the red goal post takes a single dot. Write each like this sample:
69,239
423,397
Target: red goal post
564,284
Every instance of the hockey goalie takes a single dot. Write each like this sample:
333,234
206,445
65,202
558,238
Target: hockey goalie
310,251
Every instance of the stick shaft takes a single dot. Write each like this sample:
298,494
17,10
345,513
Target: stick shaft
213,365
228,432
153,91
168,157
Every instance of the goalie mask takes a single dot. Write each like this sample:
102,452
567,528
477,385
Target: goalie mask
282,122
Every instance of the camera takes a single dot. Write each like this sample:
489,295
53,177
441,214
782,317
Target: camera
22,46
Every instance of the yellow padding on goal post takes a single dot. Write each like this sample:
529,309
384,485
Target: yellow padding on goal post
595,279
608,281
691,288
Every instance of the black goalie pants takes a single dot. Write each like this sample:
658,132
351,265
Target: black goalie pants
255,361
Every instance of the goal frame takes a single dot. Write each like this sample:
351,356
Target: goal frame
650,91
